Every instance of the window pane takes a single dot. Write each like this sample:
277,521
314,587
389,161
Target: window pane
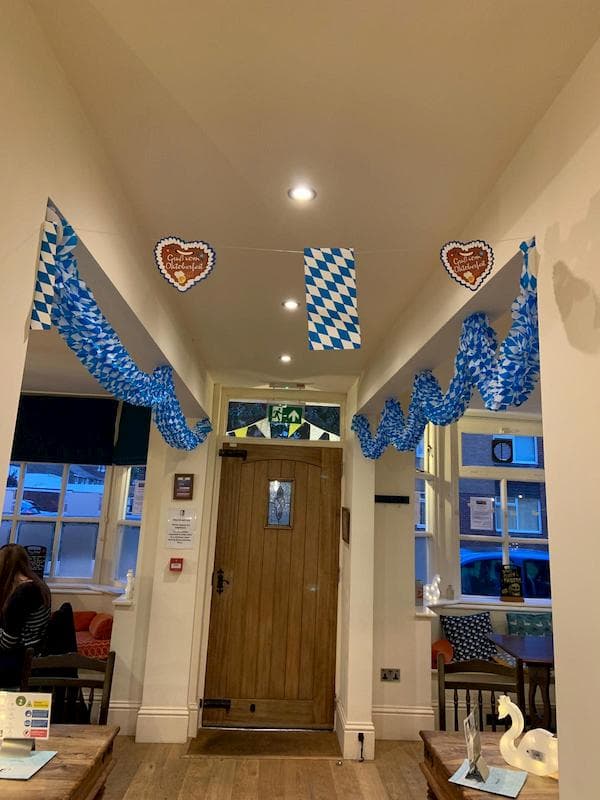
527,451
129,536
534,561
41,489
280,504
420,505
5,527
527,509
480,564
420,455
421,554
77,550
85,490
479,507
135,493
39,533
10,494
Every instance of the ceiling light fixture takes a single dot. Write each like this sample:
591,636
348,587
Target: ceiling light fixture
302,193
290,305
285,358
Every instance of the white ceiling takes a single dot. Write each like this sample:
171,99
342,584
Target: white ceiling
401,114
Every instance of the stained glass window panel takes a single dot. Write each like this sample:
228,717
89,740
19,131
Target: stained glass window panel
280,504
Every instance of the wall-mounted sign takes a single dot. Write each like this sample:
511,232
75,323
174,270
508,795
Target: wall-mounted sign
181,527
511,588
469,263
183,486
286,414
184,264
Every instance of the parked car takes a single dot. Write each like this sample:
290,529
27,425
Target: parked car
29,507
480,572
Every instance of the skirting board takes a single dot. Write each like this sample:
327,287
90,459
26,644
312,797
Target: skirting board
124,714
402,722
164,724
347,733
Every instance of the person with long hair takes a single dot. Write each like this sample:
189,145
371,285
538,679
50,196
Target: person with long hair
24,612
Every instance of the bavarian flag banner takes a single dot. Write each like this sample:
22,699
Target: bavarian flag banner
330,281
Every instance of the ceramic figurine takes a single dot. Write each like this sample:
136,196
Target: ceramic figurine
537,752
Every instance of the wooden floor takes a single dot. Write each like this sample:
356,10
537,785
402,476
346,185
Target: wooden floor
165,772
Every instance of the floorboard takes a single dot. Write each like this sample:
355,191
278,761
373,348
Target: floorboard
165,772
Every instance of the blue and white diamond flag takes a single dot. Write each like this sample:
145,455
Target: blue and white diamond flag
330,281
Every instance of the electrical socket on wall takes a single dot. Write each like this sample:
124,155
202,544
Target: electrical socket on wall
390,674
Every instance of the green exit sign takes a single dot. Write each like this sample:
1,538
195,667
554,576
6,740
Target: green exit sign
285,414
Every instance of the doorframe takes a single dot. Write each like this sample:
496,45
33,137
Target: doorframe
206,558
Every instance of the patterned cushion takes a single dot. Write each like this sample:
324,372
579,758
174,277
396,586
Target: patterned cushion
468,636
82,619
522,624
96,648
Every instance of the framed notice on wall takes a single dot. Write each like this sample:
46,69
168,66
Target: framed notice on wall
183,486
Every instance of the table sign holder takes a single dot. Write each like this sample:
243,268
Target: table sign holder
17,748
478,768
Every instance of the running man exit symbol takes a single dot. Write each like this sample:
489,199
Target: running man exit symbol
285,414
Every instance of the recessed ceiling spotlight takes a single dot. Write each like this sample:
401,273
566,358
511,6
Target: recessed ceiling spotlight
290,305
285,358
302,193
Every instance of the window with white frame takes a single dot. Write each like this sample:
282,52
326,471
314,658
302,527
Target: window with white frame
423,506
64,508
501,510
128,524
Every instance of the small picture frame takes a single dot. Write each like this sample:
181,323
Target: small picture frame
183,486
346,524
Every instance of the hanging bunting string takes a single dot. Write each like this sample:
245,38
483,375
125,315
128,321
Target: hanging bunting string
81,323
504,378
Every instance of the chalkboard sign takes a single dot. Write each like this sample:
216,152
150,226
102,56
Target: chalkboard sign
37,558
511,590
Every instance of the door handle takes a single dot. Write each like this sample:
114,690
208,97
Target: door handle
221,581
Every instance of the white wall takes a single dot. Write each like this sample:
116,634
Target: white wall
49,149
552,189
401,639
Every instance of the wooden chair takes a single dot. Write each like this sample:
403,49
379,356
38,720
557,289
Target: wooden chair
479,677
71,702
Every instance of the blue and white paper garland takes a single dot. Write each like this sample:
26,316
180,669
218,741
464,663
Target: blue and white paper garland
504,379
63,300
331,308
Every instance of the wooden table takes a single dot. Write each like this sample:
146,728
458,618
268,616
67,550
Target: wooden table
445,752
537,653
77,772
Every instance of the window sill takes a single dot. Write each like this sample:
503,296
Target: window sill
422,612
83,588
492,604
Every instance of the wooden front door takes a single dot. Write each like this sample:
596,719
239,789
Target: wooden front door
271,648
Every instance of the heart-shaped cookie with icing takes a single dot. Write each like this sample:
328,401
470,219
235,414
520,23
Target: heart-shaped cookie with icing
469,263
184,264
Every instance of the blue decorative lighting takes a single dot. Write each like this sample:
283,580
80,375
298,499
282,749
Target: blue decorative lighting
504,378
69,305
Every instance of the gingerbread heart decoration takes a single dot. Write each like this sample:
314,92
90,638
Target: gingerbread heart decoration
469,263
184,264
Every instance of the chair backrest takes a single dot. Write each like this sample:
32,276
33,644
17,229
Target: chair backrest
60,633
70,705
479,678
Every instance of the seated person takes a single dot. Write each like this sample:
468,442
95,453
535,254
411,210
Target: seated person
24,612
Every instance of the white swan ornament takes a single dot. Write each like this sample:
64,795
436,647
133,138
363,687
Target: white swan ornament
537,752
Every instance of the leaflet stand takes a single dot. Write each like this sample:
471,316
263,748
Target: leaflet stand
478,770
17,748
